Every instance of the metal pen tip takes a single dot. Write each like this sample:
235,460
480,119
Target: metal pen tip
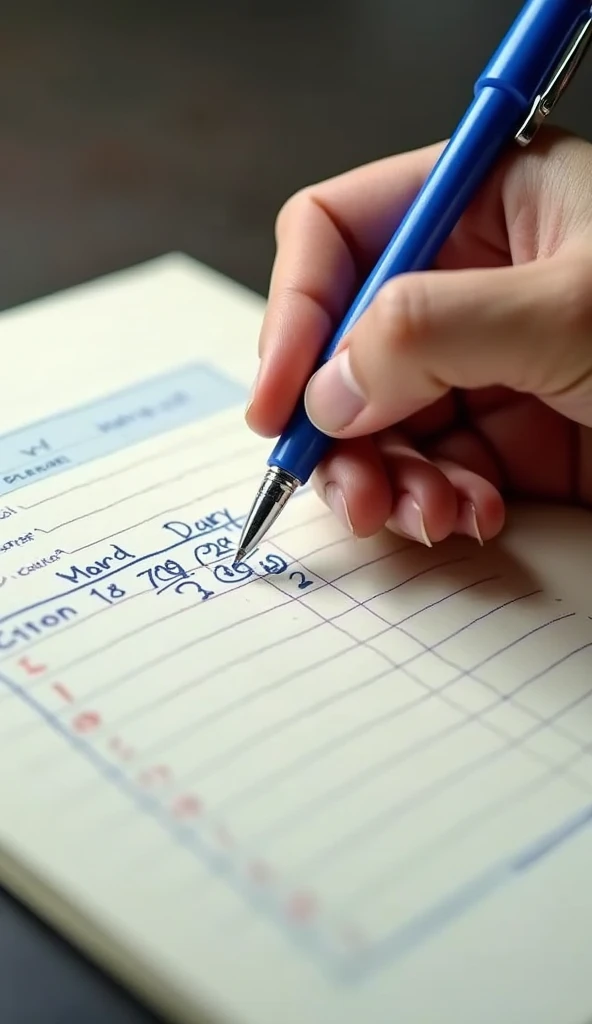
238,557
277,486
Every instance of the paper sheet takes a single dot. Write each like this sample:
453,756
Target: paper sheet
298,781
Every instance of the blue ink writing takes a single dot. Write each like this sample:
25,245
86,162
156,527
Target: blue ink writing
16,542
76,573
30,630
213,551
41,563
199,526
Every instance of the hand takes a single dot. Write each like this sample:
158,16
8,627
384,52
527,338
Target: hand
459,387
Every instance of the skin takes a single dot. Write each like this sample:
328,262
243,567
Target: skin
460,388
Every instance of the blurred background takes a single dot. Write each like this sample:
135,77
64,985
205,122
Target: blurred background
132,127
129,128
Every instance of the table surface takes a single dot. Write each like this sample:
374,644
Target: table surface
131,128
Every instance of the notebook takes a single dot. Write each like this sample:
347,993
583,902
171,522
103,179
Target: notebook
347,781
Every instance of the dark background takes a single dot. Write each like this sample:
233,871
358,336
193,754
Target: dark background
129,129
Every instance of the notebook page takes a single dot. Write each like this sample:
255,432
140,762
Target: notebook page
313,782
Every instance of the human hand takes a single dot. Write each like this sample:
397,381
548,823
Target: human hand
459,387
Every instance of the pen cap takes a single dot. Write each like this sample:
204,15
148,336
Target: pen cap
533,46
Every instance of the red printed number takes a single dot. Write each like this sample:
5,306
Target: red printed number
31,669
86,721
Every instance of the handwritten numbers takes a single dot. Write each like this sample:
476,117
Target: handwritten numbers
233,574
213,551
301,581
291,579
195,589
110,594
160,577
274,565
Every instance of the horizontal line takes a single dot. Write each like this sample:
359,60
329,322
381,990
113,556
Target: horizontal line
434,604
549,668
318,753
135,672
401,940
146,490
188,686
157,515
461,827
384,818
151,807
342,740
375,770
211,765
172,449
156,622
409,579
371,773
241,702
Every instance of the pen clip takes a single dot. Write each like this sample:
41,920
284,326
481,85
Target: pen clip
546,101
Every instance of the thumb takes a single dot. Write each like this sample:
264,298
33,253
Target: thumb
528,328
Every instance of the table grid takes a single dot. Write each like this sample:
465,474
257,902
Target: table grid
302,924
340,647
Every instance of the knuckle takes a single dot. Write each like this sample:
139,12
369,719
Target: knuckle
290,210
402,314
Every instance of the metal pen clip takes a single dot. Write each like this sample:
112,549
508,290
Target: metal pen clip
546,101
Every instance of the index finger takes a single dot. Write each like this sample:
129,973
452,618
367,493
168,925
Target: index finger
328,236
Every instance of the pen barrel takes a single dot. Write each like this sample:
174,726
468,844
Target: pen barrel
437,208
533,46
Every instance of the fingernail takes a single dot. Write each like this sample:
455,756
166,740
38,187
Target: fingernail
333,399
409,520
470,521
338,505
252,391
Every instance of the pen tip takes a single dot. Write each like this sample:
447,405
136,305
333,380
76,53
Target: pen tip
238,557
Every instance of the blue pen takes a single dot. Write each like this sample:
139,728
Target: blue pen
516,92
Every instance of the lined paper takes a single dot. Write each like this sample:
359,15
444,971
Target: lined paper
336,751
